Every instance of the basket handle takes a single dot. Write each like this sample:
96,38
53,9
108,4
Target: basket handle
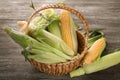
78,14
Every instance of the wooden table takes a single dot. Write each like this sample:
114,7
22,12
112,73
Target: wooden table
100,14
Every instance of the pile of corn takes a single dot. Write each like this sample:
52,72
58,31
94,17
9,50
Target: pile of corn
51,38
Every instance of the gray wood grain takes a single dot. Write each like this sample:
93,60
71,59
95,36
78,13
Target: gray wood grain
100,14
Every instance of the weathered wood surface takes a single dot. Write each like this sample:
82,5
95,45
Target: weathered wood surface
102,14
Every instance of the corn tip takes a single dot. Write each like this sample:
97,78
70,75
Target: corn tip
7,29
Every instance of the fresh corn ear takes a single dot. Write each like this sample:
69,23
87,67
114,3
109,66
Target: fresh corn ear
54,28
67,30
46,54
20,38
94,51
101,64
25,41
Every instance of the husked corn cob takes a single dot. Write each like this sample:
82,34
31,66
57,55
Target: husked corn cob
94,51
68,30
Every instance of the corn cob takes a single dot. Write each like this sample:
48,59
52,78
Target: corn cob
25,41
67,30
20,38
95,51
101,64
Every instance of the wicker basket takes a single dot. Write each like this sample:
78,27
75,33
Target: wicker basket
64,68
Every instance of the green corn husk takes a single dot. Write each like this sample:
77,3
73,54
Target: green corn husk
101,64
41,59
40,22
50,14
53,50
96,32
52,40
25,53
20,38
54,28
46,54
44,19
25,41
